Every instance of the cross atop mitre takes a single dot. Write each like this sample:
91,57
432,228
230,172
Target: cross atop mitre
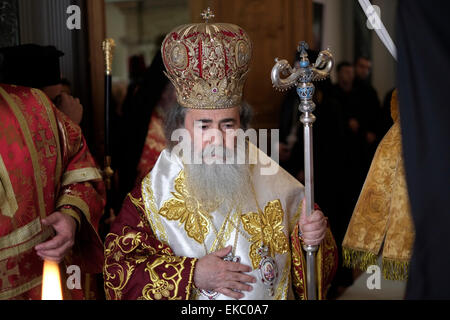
207,15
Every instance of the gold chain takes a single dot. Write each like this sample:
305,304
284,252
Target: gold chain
237,234
238,226
219,235
260,211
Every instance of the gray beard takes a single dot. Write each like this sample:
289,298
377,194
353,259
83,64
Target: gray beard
228,184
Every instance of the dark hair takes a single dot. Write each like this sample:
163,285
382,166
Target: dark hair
173,119
66,82
342,65
245,114
361,57
176,114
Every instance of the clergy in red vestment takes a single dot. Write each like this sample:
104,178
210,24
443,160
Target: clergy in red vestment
36,66
51,196
155,142
213,230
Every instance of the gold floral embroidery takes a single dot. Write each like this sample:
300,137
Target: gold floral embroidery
266,227
187,210
138,203
298,263
297,278
326,258
167,285
151,210
116,274
282,290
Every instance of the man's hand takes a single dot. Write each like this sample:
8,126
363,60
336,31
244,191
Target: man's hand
71,107
314,227
56,248
212,273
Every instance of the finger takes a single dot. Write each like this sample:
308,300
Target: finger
313,235
65,97
230,293
222,252
44,257
54,243
58,253
313,243
241,277
303,207
316,216
322,223
51,219
69,99
236,285
310,227
51,257
236,267
314,240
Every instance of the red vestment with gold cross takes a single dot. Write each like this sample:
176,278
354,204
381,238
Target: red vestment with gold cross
45,165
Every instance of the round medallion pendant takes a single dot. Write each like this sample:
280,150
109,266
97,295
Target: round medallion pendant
210,294
268,270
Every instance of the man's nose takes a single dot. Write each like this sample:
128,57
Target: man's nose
215,137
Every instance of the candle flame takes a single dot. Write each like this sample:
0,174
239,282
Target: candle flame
51,281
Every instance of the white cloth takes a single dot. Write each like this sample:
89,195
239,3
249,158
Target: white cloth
159,187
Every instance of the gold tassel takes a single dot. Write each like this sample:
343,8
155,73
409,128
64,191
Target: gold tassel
395,269
392,269
358,259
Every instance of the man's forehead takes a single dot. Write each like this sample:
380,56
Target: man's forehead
214,114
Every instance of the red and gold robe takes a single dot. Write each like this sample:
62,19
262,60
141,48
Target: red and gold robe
45,165
156,240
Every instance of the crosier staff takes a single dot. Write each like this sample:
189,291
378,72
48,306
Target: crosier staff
302,77
108,49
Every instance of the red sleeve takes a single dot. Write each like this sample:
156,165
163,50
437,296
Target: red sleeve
82,185
138,265
81,194
326,265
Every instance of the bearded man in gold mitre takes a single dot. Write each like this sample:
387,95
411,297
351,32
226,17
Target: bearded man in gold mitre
209,229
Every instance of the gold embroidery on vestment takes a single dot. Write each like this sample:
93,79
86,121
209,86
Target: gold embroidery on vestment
267,228
187,210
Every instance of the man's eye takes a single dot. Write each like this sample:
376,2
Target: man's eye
229,126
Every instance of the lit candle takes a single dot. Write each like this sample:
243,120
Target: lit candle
51,281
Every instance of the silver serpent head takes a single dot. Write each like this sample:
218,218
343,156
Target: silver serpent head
285,77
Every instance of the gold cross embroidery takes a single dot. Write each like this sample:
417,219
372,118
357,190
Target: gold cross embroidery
5,273
45,144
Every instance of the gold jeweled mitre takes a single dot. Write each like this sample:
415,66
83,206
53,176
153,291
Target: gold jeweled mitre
207,63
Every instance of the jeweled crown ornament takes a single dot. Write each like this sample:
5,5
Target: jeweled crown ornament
207,63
